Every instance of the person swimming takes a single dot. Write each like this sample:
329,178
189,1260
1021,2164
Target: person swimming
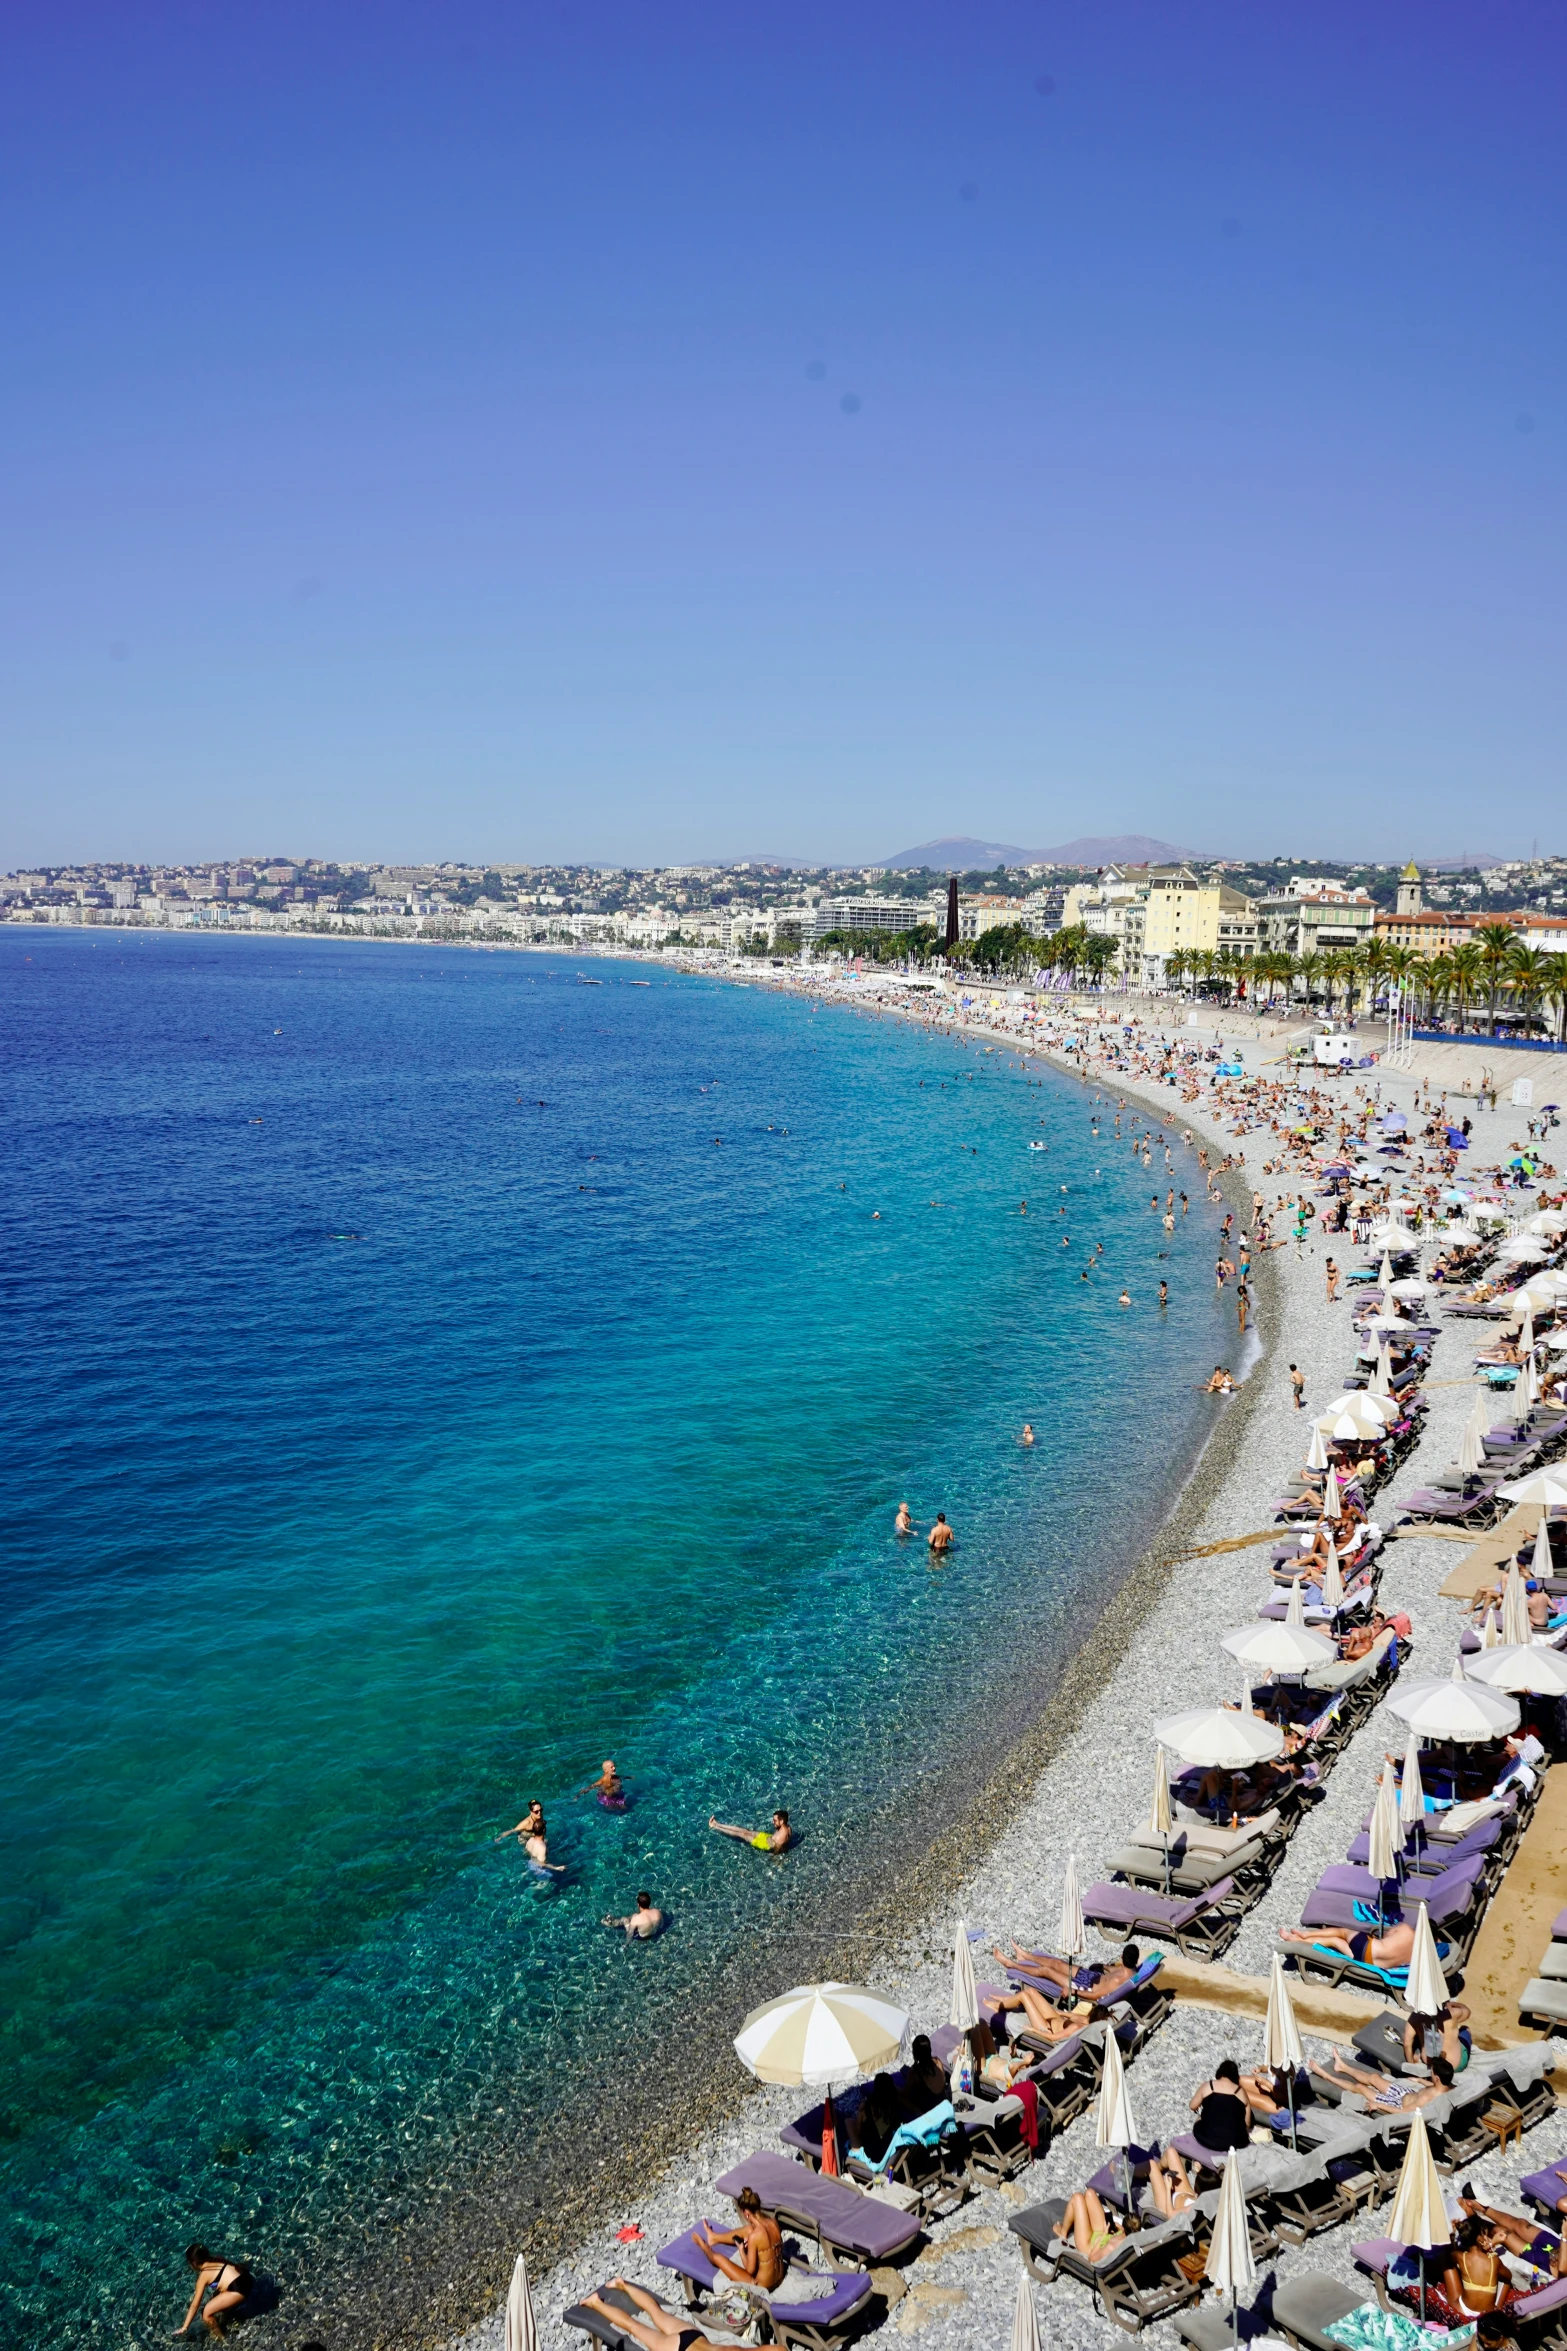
532,1835
941,1535
607,1788
777,1839
903,1524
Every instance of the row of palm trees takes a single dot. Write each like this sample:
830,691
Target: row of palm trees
1493,967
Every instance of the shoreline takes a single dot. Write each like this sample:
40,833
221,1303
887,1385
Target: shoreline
904,1928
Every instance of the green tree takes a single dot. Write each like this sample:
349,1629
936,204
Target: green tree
1495,941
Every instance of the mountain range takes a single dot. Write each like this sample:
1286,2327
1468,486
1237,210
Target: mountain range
959,854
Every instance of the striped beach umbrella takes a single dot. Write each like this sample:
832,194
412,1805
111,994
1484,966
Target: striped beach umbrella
821,2033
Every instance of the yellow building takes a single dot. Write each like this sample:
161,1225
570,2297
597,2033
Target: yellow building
1186,916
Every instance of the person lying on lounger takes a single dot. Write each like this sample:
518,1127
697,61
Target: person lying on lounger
1051,2020
777,1839
1169,2184
657,2330
1088,2226
1526,2241
1382,2090
1103,1982
758,2243
1394,1947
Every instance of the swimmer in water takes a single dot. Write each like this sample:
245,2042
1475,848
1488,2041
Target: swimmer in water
607,1788
643,1923
533,1837
777,1839
903,1524
941,1535
1125,1298
1027,1437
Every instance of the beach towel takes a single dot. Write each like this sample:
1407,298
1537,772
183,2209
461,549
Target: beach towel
1028,2097
926,2130
1372,2329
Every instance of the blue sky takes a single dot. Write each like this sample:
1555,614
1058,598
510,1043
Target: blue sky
644,433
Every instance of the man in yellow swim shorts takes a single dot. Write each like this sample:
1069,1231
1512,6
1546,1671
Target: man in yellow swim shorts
777,1839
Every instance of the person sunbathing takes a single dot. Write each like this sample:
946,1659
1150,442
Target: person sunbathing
758,2258
1103,1981
1543,2249
922,2083
1475,2285
657,2329
1394,1947
1085,2222
1169,2184
1050,2020
1382,2090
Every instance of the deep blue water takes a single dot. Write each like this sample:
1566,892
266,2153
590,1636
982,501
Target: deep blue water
408,1399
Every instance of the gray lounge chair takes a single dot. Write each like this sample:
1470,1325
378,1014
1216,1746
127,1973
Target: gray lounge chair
1140,2281
1305,2307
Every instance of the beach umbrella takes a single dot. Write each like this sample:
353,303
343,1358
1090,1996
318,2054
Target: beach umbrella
1070,1936
1410,1287
1426,1989
1382,1409
1490,1631
1548,1220
1515,1608
1384,1840
1229,2267
1316,1451
1529,1671
1381,1381
965,1990
1471,1442
1160,1818
1547,1487
522,2328
1295,1605
1113,2124
1025,2317
1281,2042
1332,1579
1411,1794
1419,2216
1540,1558
1385,1274
1464,1711
1282,1648
821,2033
1219,1738
1332,1505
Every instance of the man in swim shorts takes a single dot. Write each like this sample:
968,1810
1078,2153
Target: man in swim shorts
777,1839
941,1535
644,1922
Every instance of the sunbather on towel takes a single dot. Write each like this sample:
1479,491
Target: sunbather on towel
1104,1982
1393,1948
1382,2090
1541,2248
1085,2222
1169,2184
657,2330
1051,2020
758,2243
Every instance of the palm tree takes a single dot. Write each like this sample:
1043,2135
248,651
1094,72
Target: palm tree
1308,968
1099,952
1337,970
1495,942
1226,967
1553,990
1466,970
1175,966
1373,963
1525,977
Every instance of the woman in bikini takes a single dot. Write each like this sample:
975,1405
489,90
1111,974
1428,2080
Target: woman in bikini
533,1837
228,2282
1050,2020
1085,2222
657,2329
1476,2283
758,2242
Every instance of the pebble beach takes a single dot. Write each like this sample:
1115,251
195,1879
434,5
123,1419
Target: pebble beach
1082,1776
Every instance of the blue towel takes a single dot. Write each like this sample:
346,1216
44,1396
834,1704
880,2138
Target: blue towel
926,2130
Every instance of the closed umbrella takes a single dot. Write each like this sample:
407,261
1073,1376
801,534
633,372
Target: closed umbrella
1113,2125
1419,2216
1471,1442
1316,1451
1071,1937
1385,1273
1411,1794
1295,1605
1160,1817
965,1990
1531,1671
1025,2317
522,2328
1540,1558
1332,1579
1384,1840
1281,2042
1332,1505
1219,1738
1515,1608
1490,1631
1381,1380
1229,2267
1465,1711
1426,1990
821,2033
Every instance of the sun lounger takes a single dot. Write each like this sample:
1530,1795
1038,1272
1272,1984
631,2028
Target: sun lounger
1201,1927
1343,1880
1545,2190
818,2324
1482,1506
1304,2307
1191,1871
994,2147
852,2228
1140,2281
603,2330
1521,2078
1336,2177
1448,1900
1543,2001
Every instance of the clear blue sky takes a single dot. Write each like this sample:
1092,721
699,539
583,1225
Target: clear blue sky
431,429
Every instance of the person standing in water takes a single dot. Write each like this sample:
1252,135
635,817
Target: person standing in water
941,1535
643,1923
533,1837
903,1524
608,1788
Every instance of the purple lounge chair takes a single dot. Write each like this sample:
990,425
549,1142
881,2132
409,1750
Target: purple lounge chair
1201,1927
818,2325
853,2230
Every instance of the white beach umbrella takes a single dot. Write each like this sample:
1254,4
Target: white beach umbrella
1281,2042
821,2033
1410,1287
1025,2317
1379,1408
1455,1710
1471,1446
1419,2216
1070,1936
1272,1647
1332,1579
1316,1451
1113,2124
1533,1670
1490,1631
1332,1502
1548,1220
1385,1274
522,2328
1540,1558
1411,1793
1219,1738
1160,1817
1384,1840
1381,1380
1229,2267
1546,1487
965,1989
1523,1249
1515,1608
1295,1605
1426,1989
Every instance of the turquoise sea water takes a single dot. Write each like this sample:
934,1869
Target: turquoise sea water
425,1374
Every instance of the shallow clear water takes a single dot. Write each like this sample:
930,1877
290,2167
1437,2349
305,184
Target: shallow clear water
407,1400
